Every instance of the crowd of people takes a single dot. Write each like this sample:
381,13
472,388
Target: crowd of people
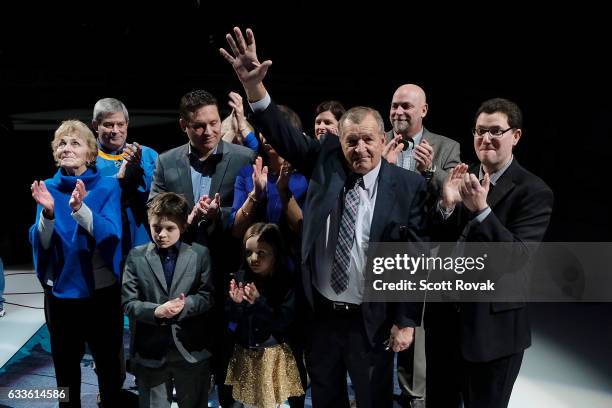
241,254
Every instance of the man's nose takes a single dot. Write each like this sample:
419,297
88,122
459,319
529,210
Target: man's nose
486,137
361,146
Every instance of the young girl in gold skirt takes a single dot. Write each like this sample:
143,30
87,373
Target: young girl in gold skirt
262,372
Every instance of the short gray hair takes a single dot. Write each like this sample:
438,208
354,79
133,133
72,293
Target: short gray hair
358,114
107,106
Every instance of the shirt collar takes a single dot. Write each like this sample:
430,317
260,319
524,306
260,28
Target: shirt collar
417,138
171,251
369,179
105,150
495,176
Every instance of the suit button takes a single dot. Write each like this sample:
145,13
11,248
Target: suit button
256,329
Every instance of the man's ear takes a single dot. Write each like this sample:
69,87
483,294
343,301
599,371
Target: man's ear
94,125
183,124
425,110
516,136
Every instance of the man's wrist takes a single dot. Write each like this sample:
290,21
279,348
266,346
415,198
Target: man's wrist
481,208
446,206
428,173
261,103
255,92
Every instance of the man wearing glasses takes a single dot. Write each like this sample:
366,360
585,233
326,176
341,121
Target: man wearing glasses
474,350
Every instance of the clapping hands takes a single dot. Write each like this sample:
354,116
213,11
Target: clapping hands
239,292
171,308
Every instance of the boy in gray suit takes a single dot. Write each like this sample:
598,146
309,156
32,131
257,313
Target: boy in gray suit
166,292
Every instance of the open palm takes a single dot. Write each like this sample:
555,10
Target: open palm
42,196
243,57
450,189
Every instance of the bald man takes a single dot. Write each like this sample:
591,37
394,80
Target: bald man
425,152
433,156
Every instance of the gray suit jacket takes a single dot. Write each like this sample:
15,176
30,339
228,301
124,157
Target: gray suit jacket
144,288
446,156
173,173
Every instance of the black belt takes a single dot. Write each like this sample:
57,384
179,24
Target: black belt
323,303
344,307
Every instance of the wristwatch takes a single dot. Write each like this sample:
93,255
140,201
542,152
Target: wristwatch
428,174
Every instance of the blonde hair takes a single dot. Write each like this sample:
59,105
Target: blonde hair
76,128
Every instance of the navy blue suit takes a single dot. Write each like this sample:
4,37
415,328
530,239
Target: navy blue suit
398,216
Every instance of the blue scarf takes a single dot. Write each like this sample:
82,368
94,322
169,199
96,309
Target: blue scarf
68,261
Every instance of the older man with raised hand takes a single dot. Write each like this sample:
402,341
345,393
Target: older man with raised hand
354,199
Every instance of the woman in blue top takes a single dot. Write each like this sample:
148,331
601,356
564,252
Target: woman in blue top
77,250
268,191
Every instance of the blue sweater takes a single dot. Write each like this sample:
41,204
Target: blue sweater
69,257
135,190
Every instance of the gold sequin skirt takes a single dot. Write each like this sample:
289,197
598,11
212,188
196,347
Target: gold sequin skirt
263,377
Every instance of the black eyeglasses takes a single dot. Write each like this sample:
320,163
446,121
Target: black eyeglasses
493,132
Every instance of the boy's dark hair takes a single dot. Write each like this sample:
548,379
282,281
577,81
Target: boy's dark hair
169,205
194,100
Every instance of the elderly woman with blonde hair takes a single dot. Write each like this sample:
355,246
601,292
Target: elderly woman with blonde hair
76,248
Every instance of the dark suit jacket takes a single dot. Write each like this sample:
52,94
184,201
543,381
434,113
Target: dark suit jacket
173,173
144,288
399,214
521,205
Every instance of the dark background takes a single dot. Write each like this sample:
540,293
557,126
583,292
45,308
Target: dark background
554,65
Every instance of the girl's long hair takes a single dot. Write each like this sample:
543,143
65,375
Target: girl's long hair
280,278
